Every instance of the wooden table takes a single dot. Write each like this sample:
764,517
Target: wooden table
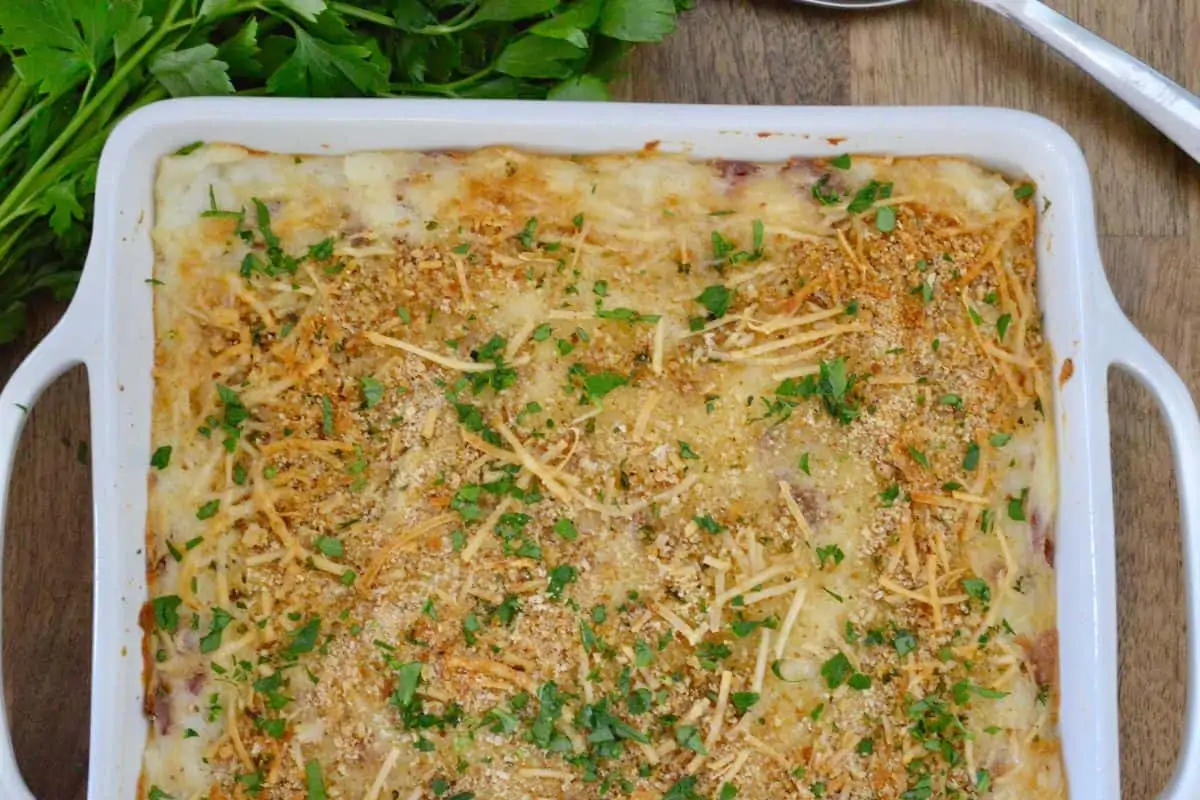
731,51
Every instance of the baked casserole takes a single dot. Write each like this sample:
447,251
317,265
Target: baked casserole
505,475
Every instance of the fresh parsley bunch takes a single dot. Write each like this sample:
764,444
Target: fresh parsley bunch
70,69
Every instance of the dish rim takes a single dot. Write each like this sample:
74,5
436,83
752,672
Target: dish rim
108,327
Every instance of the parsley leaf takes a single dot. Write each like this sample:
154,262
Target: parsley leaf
538,57
318,68
192,71
637,20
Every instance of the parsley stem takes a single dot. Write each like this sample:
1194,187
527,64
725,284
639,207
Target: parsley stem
375,17
13,129
15,196
455,24
460,21
446,89
15,237
231,11
14,96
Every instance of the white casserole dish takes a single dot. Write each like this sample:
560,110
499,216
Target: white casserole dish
109,327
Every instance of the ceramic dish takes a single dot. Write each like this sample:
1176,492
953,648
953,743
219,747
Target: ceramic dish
109,328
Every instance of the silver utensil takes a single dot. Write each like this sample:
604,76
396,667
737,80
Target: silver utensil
1164,103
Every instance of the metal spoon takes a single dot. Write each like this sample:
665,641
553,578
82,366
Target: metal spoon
1164,103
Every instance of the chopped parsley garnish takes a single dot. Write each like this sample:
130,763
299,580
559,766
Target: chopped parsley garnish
890,495
830,553
304,639
1000,439
643,654
235,415
837,670
275,728
599,385
683,789
626,315
326,415
743,701
162,457
212,640
1016,506
166,612
977,588
953,400
744,627
859,682
710,654
833,386
904,642
688,737
560,577
885,219
1024,191
471,626
565,528
709,525
372,391
918,456
963,690
971,459
823,194
840,162
542,332
1002,325
686,451
330,546
527,234
925,290
208,510
314,781
865,197
716,300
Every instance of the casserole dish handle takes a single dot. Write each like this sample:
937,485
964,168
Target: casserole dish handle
1125,348
57,353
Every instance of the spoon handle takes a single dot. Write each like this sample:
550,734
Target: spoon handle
1164,103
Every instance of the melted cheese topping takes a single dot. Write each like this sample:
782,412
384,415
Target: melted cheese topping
500,475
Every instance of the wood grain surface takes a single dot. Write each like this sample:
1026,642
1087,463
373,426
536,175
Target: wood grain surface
733,51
